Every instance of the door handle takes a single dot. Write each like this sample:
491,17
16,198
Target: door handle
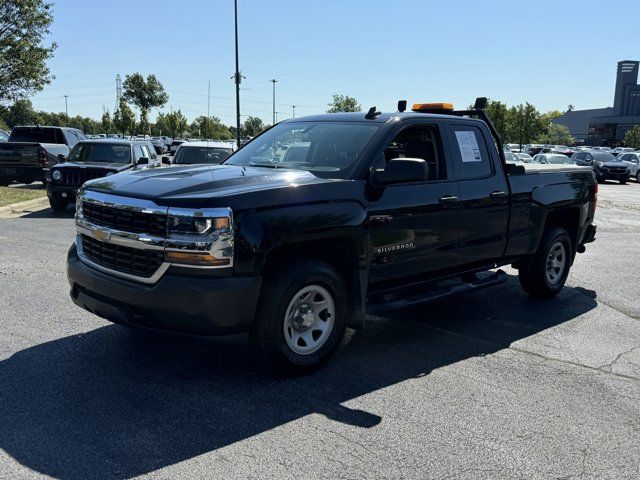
448,200
497,195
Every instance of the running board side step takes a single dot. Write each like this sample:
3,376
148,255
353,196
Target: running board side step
388,302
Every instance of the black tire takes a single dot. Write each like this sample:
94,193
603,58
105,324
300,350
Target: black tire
5,182
58,204
638,176
600,179
534,276
279,290
622,182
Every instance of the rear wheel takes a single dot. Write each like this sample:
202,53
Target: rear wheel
301,317
638,176
5,182
58,204
623,181
546,273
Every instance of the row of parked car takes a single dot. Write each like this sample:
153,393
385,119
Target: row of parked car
618,164
64,158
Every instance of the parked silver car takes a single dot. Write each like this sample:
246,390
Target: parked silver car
633,161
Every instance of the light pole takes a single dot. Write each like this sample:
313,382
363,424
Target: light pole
293,107
237,76
66,106
274,81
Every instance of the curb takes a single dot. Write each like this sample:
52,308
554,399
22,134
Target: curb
18,209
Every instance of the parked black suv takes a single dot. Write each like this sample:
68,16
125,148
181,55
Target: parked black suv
380,211
95,159
606,165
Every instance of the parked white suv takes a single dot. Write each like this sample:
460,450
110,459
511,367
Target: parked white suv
633,160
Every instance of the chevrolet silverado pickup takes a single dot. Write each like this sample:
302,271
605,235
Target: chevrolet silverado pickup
31,151
374,212
92,159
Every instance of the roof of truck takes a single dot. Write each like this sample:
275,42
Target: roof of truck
381,118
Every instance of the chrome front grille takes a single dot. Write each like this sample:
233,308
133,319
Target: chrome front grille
131,261
125,220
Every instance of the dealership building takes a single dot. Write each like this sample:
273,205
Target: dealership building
607,126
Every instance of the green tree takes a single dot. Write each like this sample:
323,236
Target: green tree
23,57
343,103
3,126
20,113
632,137
176,123
498,113
144,94
524,124
143,124
123,118
106,122
210,127
556,134
252,126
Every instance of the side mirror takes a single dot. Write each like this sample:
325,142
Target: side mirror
166,161
61,157
402,170
142,161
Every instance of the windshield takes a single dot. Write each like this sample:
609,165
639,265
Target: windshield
605,157
559,159
191,155
37,135
510,157
326,148
100,152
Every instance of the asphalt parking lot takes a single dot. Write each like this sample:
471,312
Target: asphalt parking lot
490,385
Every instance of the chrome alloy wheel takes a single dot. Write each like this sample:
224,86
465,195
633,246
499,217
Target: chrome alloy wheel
309,319
556,263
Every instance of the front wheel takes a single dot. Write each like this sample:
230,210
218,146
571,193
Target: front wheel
58,204
622,182
301,317
638,176
546,273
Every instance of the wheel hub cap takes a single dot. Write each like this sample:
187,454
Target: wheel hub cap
556,262
309,319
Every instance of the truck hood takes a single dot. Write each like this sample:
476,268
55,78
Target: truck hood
111,166
225,185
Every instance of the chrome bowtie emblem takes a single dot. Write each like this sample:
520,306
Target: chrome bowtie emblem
102,234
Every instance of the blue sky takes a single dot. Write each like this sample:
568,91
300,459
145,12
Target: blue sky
550,53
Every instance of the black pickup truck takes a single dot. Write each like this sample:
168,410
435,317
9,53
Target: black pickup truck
92,159
381,211
32,150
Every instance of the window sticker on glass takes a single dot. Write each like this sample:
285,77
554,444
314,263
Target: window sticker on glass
468,144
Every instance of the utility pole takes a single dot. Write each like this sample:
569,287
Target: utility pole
118,90
274,81
294,110
66,106
209,100
237,76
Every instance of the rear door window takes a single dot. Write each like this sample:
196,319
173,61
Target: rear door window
35,135
470,153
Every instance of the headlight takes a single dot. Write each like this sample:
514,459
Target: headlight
56,175
201,238
599,164
78,206
109,174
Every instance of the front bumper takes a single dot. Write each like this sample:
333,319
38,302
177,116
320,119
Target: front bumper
53,189
177,303
607,175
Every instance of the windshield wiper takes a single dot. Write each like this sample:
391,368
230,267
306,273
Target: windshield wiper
263,164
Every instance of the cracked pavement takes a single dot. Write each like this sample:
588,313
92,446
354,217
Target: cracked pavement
489,385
